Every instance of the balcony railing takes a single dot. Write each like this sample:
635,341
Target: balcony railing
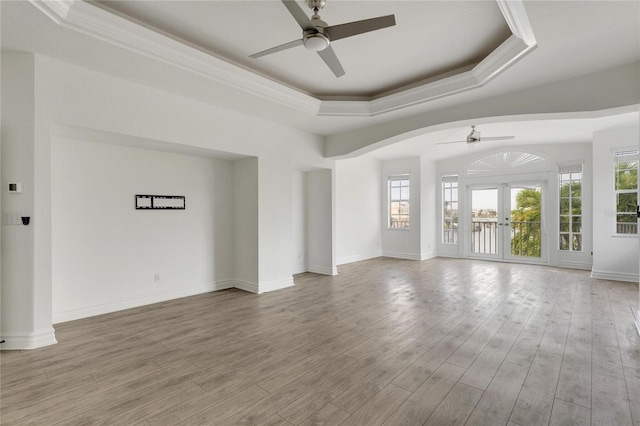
450,236
626,228
524,237
484,236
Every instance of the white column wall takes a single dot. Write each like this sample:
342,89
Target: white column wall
359,217
615,257
26,267
428,208
319,200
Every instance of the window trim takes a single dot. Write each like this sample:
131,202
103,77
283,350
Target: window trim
570,169
450,179
393,178
624,155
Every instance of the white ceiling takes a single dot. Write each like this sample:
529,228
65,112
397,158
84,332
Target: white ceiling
574,38
375,62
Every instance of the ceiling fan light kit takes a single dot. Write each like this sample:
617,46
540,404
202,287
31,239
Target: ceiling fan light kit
317,35
316,41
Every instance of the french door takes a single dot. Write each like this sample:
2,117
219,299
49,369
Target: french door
505,222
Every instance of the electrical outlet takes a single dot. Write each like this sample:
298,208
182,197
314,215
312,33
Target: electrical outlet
156,277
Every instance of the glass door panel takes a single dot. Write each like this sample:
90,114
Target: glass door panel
485,238
506,222
523,221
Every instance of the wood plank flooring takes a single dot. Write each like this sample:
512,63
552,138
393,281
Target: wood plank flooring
386,342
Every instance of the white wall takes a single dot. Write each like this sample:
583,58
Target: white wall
614,257
26,287
320,258
106,253
245,224
429,186
402,243
358,201
72,96
299,221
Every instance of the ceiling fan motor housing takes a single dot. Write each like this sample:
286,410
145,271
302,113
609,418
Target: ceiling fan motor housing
316,40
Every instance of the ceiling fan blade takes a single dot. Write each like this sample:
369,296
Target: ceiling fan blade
498,138
446,143
329,57
336,32
298,14
278,48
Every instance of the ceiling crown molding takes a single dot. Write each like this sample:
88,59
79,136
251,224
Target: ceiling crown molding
91,20
88,19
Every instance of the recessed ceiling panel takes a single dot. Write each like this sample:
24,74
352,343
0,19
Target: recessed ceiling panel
430,38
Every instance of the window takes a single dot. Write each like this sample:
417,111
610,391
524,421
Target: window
450,209
399,202
570,192
626,190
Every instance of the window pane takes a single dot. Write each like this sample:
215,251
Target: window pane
395,193
627,202
565,189
627,218
404,193
626,225
576,206
576,189
626,179
564,227
454,194
576,227
395,207
564,206
564,219
564,241
576,243
395,183
404,207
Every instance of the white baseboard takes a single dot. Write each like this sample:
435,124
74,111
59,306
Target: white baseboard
264,287
357,258
149,299
299,269
38,339
398,255
246,286
276,285
574,265
324,270
428,255
614,276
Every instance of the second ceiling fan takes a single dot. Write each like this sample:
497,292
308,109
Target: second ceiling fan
317,35
474,136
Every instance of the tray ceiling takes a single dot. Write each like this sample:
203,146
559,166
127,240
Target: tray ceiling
430,39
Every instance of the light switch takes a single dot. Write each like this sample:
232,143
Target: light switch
11,218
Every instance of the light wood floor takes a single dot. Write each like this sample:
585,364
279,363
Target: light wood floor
392,342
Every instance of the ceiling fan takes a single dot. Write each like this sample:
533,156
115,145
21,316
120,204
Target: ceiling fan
474,137
317,35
